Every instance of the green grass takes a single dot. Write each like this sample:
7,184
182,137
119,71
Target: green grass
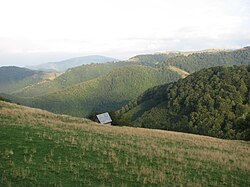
38,148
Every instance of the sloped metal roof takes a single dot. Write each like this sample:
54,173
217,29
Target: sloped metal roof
104,118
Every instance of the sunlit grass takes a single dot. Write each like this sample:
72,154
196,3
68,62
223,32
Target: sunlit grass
38,148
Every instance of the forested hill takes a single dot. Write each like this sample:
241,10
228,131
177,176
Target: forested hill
181,62
108,92
69,78
200,60
169,67
88,72
214,102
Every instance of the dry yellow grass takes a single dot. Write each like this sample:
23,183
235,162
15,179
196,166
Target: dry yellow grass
181,72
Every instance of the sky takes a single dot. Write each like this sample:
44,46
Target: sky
39,31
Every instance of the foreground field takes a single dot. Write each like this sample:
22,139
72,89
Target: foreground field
38,148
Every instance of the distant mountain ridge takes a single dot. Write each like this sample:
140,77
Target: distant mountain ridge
186,53
151,59
159,56
73,62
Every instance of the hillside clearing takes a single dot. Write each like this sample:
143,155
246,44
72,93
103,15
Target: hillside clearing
181,72
38,148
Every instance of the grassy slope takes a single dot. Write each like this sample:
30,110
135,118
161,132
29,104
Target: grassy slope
38,148
181,72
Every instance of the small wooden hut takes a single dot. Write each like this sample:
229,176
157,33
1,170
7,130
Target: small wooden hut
104,118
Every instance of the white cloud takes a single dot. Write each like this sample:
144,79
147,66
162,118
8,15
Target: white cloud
120,28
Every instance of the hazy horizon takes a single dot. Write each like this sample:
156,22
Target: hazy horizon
47,31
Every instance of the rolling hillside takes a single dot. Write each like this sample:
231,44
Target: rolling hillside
108,92
38,148
72,62
76,81
183,63
213,102
69,78
87,72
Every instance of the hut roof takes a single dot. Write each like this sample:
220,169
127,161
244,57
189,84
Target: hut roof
104,118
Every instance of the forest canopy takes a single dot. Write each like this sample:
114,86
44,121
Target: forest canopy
213,102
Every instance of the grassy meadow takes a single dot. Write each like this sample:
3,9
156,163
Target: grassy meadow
38,148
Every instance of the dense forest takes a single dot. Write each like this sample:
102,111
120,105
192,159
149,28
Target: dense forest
213,102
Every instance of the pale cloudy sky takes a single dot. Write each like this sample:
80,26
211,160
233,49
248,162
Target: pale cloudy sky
38,31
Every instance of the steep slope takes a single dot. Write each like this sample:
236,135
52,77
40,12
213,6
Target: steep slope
186,53
73,62
38,148
214,102
14,78
108,92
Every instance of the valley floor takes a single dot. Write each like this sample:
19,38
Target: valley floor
38,148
